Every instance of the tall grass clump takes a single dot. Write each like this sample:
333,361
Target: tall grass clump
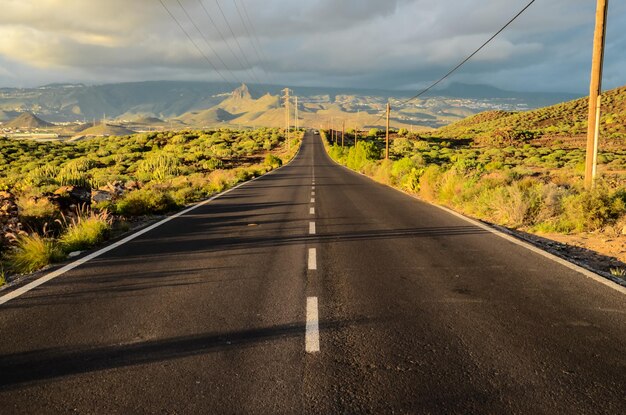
85,231
32,252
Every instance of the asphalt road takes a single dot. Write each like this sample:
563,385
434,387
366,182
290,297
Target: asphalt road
214,311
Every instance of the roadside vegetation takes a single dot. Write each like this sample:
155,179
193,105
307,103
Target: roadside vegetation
59,198
522,170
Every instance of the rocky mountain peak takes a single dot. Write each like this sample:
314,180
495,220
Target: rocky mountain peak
242,92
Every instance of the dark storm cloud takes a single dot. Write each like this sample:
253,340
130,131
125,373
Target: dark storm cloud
367,43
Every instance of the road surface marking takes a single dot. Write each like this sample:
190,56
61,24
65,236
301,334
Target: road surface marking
313,193
312,200
312,258
312,228
312,187
312,333
54,274
312,211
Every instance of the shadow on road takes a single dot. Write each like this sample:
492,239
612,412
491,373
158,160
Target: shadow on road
40,365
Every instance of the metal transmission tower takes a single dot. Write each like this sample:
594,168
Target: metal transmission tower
387,135
595,93
287,121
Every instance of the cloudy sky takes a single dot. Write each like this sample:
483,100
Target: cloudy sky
395,44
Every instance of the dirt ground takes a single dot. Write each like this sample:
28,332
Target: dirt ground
604,253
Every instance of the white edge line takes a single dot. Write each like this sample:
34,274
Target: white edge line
42,280
587,273
312,331
312,258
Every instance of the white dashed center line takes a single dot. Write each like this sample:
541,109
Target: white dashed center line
312,200
312,211
312,336
312,258
312,228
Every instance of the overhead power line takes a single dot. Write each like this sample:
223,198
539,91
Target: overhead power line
206,41
245,26
422,92
259,44
193,42
219,32
232,32
451,71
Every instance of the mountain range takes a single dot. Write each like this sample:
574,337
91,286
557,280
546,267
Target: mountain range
208,103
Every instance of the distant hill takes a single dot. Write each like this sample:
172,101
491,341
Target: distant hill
104,130
481,91
148,120
208,117
568,119
27,120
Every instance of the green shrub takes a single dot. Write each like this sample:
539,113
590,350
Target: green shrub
159,167
145,202
31,207
373,132
212,164
590,210
273,161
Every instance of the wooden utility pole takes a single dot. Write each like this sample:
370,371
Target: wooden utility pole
296,113
387,140
595,91
343,132
286,98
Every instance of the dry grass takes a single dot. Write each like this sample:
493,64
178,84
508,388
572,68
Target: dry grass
33,252
85,231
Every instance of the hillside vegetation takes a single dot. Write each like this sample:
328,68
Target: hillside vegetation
566,120
56,198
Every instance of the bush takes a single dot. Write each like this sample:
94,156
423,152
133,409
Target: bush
212,164
273,161
146,201
159,167
33,252
86,231
590,210
36,208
